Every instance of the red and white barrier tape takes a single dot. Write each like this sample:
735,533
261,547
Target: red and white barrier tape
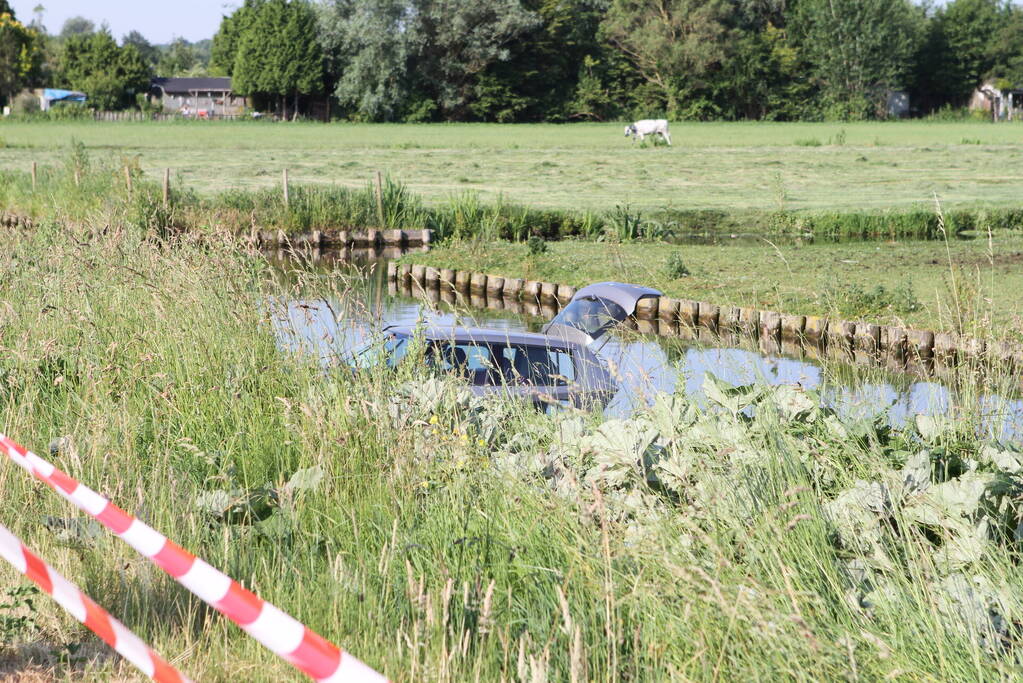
82,608
280,633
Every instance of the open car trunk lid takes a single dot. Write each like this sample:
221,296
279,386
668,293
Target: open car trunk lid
595,309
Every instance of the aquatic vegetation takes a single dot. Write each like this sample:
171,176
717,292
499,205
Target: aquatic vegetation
888,523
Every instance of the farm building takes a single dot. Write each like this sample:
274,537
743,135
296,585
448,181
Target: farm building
1002,103
201,97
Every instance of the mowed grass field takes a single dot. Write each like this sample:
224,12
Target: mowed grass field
589,166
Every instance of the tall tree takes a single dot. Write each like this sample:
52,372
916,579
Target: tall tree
178,59
277,54
77,26
301,66
764,77
455,42
20,55
1007,47
859,50
109,75
368,47
225,43
419,59
148,51
673,44
541,78
958,56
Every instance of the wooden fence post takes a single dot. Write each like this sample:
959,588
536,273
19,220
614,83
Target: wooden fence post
380,199
78,179
33,176
127,179
287,198
166,188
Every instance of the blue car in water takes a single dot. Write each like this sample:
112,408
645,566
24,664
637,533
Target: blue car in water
558,365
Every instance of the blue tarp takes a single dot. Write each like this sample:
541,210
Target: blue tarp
55,95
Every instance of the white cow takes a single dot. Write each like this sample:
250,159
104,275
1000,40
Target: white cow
640,129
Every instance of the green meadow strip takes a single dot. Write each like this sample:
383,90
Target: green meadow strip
81,186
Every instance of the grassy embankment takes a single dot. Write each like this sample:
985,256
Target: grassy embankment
846,179
441,537
969,286
453,539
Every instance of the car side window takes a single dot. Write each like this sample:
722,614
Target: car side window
476,357
537,365
469,360
564,366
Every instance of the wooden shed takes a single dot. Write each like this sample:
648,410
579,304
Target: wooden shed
198,97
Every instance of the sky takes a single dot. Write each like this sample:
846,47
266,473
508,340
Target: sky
159,21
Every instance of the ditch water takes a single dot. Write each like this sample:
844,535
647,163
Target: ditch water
725,239
349,303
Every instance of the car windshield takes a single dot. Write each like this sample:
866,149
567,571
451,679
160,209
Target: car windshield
482,363
496,364
388,351
591,315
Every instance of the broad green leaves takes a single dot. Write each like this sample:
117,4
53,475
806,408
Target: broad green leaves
308,479
933,428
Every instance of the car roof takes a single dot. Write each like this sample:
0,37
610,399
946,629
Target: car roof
481,335
623,294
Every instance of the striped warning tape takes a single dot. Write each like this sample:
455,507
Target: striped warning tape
82,608
280,633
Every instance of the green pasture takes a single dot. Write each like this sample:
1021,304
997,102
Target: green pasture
966,285
585,166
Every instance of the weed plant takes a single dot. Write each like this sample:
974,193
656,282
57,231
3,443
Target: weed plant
853,301
444,536
536,246
676,268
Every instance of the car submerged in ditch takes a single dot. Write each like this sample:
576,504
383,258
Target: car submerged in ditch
558,365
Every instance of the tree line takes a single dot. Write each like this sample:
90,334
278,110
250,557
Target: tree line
562,60
87,58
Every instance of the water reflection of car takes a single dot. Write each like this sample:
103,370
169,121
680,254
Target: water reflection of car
558,365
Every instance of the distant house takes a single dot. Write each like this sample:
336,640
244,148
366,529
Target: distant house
1003,103
199,97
